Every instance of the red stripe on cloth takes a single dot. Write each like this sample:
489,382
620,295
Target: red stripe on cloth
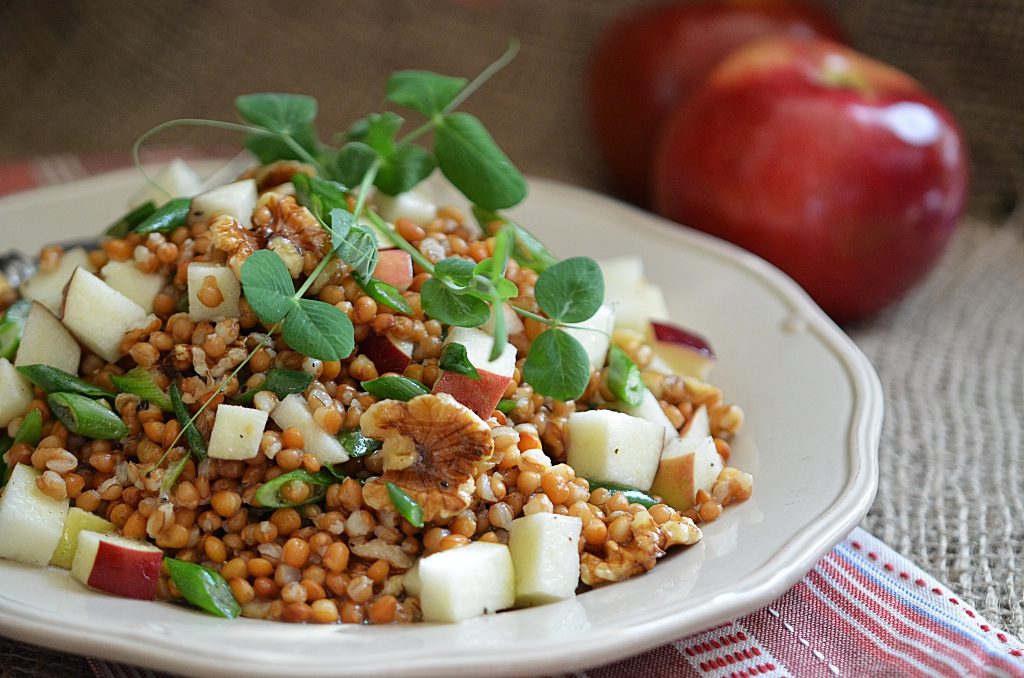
17,177
662,662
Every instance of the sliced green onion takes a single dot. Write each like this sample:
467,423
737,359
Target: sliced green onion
633,495
406,505
31,429
383,293
399,388
87,417
195,439
455,359
131,219
52,380
358,445
269,494
624,380
6,442
505,405
281,382
166,218
140,381
173,473
12,326
203,588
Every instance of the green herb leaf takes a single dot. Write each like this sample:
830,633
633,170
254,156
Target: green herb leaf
507,289
528,252
397,388
406,506
352,162
380,132
192,434
422,91
633,496
140,382
443,304
457,271
319,330
87,417
131,219
268,286
475,164
333,474
284,113
281,382
383,293
503,242
624,380
270,148
402,169
269,494
319,196
355,244
557,366
455,359
167,218
505,405
357,445
572,290
12,326
53,380
498,330
203,587
31,429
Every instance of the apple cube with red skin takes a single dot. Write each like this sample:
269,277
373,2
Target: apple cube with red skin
118,565
480,395
687,464
395,268
387,353
686,352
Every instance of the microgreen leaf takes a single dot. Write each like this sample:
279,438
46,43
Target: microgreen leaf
383,293
268,286
381,129
352,162
319,330
166,218
507,289
455,359
407,166
357,445
188,427
31,429
130,220
406,506
12,326
624,380
281,382
284,113
499,331
473,162
572,290
204,588
271,148
355,244
528,252
632,495
503,242
319,196
456,270
53,380
422,91
557,366
269,494
397,388
140,382
443,304
87,417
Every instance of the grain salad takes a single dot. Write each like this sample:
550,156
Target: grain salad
313,394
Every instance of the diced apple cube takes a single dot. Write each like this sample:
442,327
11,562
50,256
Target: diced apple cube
137,285
415,205
98,315
118,565
480,395
30,522
513,324
684,351
635,308
626,272
650,410
293,411
395,268
45,341
47,287
15,392
387,353
223,278
545,556
77,521
595,335
613,447
236,200
466,582
697,427
174,180
237,432
687,465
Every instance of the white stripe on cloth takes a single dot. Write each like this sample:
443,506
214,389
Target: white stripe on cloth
728,650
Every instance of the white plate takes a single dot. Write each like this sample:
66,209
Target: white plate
814,411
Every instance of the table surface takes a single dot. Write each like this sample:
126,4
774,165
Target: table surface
950,356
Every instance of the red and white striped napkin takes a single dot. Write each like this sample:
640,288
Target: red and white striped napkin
864,610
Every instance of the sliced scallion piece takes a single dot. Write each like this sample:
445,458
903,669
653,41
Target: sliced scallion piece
633,495
624,380
398,388
383,293
269,494
31,429
5,444
281,382
166,218
408,507
131,219
12,326
358,445
140,382
204,588
52,380
87,417
195,439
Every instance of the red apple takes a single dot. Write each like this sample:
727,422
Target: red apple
685,351
387,353
395,268
652,59
480,395
118,565
840,170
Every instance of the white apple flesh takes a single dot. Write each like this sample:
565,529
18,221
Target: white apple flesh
595,335
15,392
77,521
237,432
137,285
125,567
387,353
464,582
45,341
98,315
613,447
650,410
416,205
688,464
293,411
30,522
480,395
176,179
47,287
200,274
513,323
545,556
684,351
236,200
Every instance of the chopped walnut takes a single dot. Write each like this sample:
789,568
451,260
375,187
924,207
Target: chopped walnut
231,237
378,549
648,542
277,173
434,448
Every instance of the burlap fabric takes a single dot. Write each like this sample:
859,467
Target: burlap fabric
90,77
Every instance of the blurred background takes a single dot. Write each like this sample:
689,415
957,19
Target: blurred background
91,76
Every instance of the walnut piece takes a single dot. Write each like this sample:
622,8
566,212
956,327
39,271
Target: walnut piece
277,173
647,543
434,448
